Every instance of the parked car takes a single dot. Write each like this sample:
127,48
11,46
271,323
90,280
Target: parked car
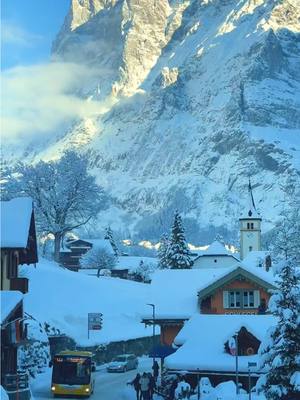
123,363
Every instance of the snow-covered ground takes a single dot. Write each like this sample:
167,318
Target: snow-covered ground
108,386
64,298
113,386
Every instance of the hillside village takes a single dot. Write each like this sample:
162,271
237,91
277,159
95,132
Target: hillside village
209,319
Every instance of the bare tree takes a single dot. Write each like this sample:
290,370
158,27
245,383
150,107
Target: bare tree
65,195
98,258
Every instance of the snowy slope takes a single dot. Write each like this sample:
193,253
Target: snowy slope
64,298
200,94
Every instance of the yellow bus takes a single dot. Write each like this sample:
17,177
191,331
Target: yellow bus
72,374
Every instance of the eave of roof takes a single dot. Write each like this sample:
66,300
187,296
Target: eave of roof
231,276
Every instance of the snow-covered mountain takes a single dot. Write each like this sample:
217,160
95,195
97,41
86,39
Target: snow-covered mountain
198,95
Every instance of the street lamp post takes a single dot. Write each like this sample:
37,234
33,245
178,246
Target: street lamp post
153,332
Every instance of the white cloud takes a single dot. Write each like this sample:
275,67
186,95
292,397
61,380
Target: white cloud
39,99
16,35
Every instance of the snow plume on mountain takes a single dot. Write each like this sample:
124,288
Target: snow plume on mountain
203,93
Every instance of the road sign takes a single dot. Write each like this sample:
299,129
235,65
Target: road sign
95,321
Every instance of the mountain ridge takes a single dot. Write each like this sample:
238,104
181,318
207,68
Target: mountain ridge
200,95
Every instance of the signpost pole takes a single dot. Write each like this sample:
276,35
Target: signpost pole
249,383
236,363
250,364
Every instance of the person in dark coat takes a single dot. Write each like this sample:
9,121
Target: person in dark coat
155,368
151,385
145,384
137,386
172,389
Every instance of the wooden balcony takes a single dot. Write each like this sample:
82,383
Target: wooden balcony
20,284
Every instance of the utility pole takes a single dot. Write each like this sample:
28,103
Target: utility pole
153,331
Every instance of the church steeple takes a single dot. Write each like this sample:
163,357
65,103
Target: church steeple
251,212
250,227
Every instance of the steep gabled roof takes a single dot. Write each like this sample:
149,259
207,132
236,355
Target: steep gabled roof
260,277
216,249
15,222
205,352
10,299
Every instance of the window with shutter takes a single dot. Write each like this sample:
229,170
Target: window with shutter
256,298
225,299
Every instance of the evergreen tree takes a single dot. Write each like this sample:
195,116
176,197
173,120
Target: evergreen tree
162,252
281,351
178,256
110,236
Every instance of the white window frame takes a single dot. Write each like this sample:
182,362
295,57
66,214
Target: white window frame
227,299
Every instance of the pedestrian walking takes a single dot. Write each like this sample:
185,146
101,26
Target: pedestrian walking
172,389
155,368
137,386
145,386
152,385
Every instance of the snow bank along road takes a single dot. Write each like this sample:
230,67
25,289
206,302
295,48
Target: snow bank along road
108,386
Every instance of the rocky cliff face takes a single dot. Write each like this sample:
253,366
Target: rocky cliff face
202,94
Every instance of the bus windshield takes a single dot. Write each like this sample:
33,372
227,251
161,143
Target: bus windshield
71,370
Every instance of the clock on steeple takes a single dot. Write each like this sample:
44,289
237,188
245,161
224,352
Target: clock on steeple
250,228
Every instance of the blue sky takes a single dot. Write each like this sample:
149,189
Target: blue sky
28,28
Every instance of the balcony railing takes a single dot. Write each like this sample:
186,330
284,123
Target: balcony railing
20,284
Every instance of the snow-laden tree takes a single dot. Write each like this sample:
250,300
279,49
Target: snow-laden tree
286,243
280,352
34,353
179,255
98,258
144,271
65,195
162,252
110,236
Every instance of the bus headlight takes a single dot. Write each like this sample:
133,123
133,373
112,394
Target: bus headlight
87,390
53,388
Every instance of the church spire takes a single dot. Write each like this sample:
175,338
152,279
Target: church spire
252,212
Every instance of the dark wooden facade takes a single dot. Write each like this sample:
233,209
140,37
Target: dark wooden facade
12,257
75,249
12,335
13,329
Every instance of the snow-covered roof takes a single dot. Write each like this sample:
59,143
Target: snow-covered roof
9,300
132,262
15,222
203,351
216,249
175,292
256,258
100,243
120,301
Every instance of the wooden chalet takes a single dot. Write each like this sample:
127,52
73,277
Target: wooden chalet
18,242
18,246
75,249
12,330
179,294
200,355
